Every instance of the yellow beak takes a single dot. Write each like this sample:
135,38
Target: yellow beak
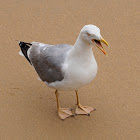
102,40
99,45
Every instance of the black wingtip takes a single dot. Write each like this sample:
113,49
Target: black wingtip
21,43
24,48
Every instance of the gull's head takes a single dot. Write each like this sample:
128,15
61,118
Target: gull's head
91,34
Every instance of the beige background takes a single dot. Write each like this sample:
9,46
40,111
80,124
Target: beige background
28,107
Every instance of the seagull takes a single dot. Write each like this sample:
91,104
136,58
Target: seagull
65,67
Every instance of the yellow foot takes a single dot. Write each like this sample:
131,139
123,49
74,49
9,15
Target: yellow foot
83,110
64,113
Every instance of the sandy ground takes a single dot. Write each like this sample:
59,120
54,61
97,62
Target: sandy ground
28,107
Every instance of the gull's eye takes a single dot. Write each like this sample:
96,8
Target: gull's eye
88,34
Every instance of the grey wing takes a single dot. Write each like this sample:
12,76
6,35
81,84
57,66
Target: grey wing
48,62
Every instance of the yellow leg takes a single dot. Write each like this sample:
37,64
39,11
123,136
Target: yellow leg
83,110
63,113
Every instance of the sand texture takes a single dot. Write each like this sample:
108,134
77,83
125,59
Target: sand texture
28,106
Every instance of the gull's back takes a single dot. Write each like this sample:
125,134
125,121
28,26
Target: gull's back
48,60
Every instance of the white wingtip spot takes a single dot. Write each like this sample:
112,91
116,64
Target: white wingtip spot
20,53
39,79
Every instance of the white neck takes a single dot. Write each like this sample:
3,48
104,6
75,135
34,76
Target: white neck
82,44
82,50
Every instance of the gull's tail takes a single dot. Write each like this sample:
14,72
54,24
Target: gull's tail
24,48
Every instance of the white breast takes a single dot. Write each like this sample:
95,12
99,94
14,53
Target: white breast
80,73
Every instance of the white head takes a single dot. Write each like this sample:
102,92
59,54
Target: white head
91,34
